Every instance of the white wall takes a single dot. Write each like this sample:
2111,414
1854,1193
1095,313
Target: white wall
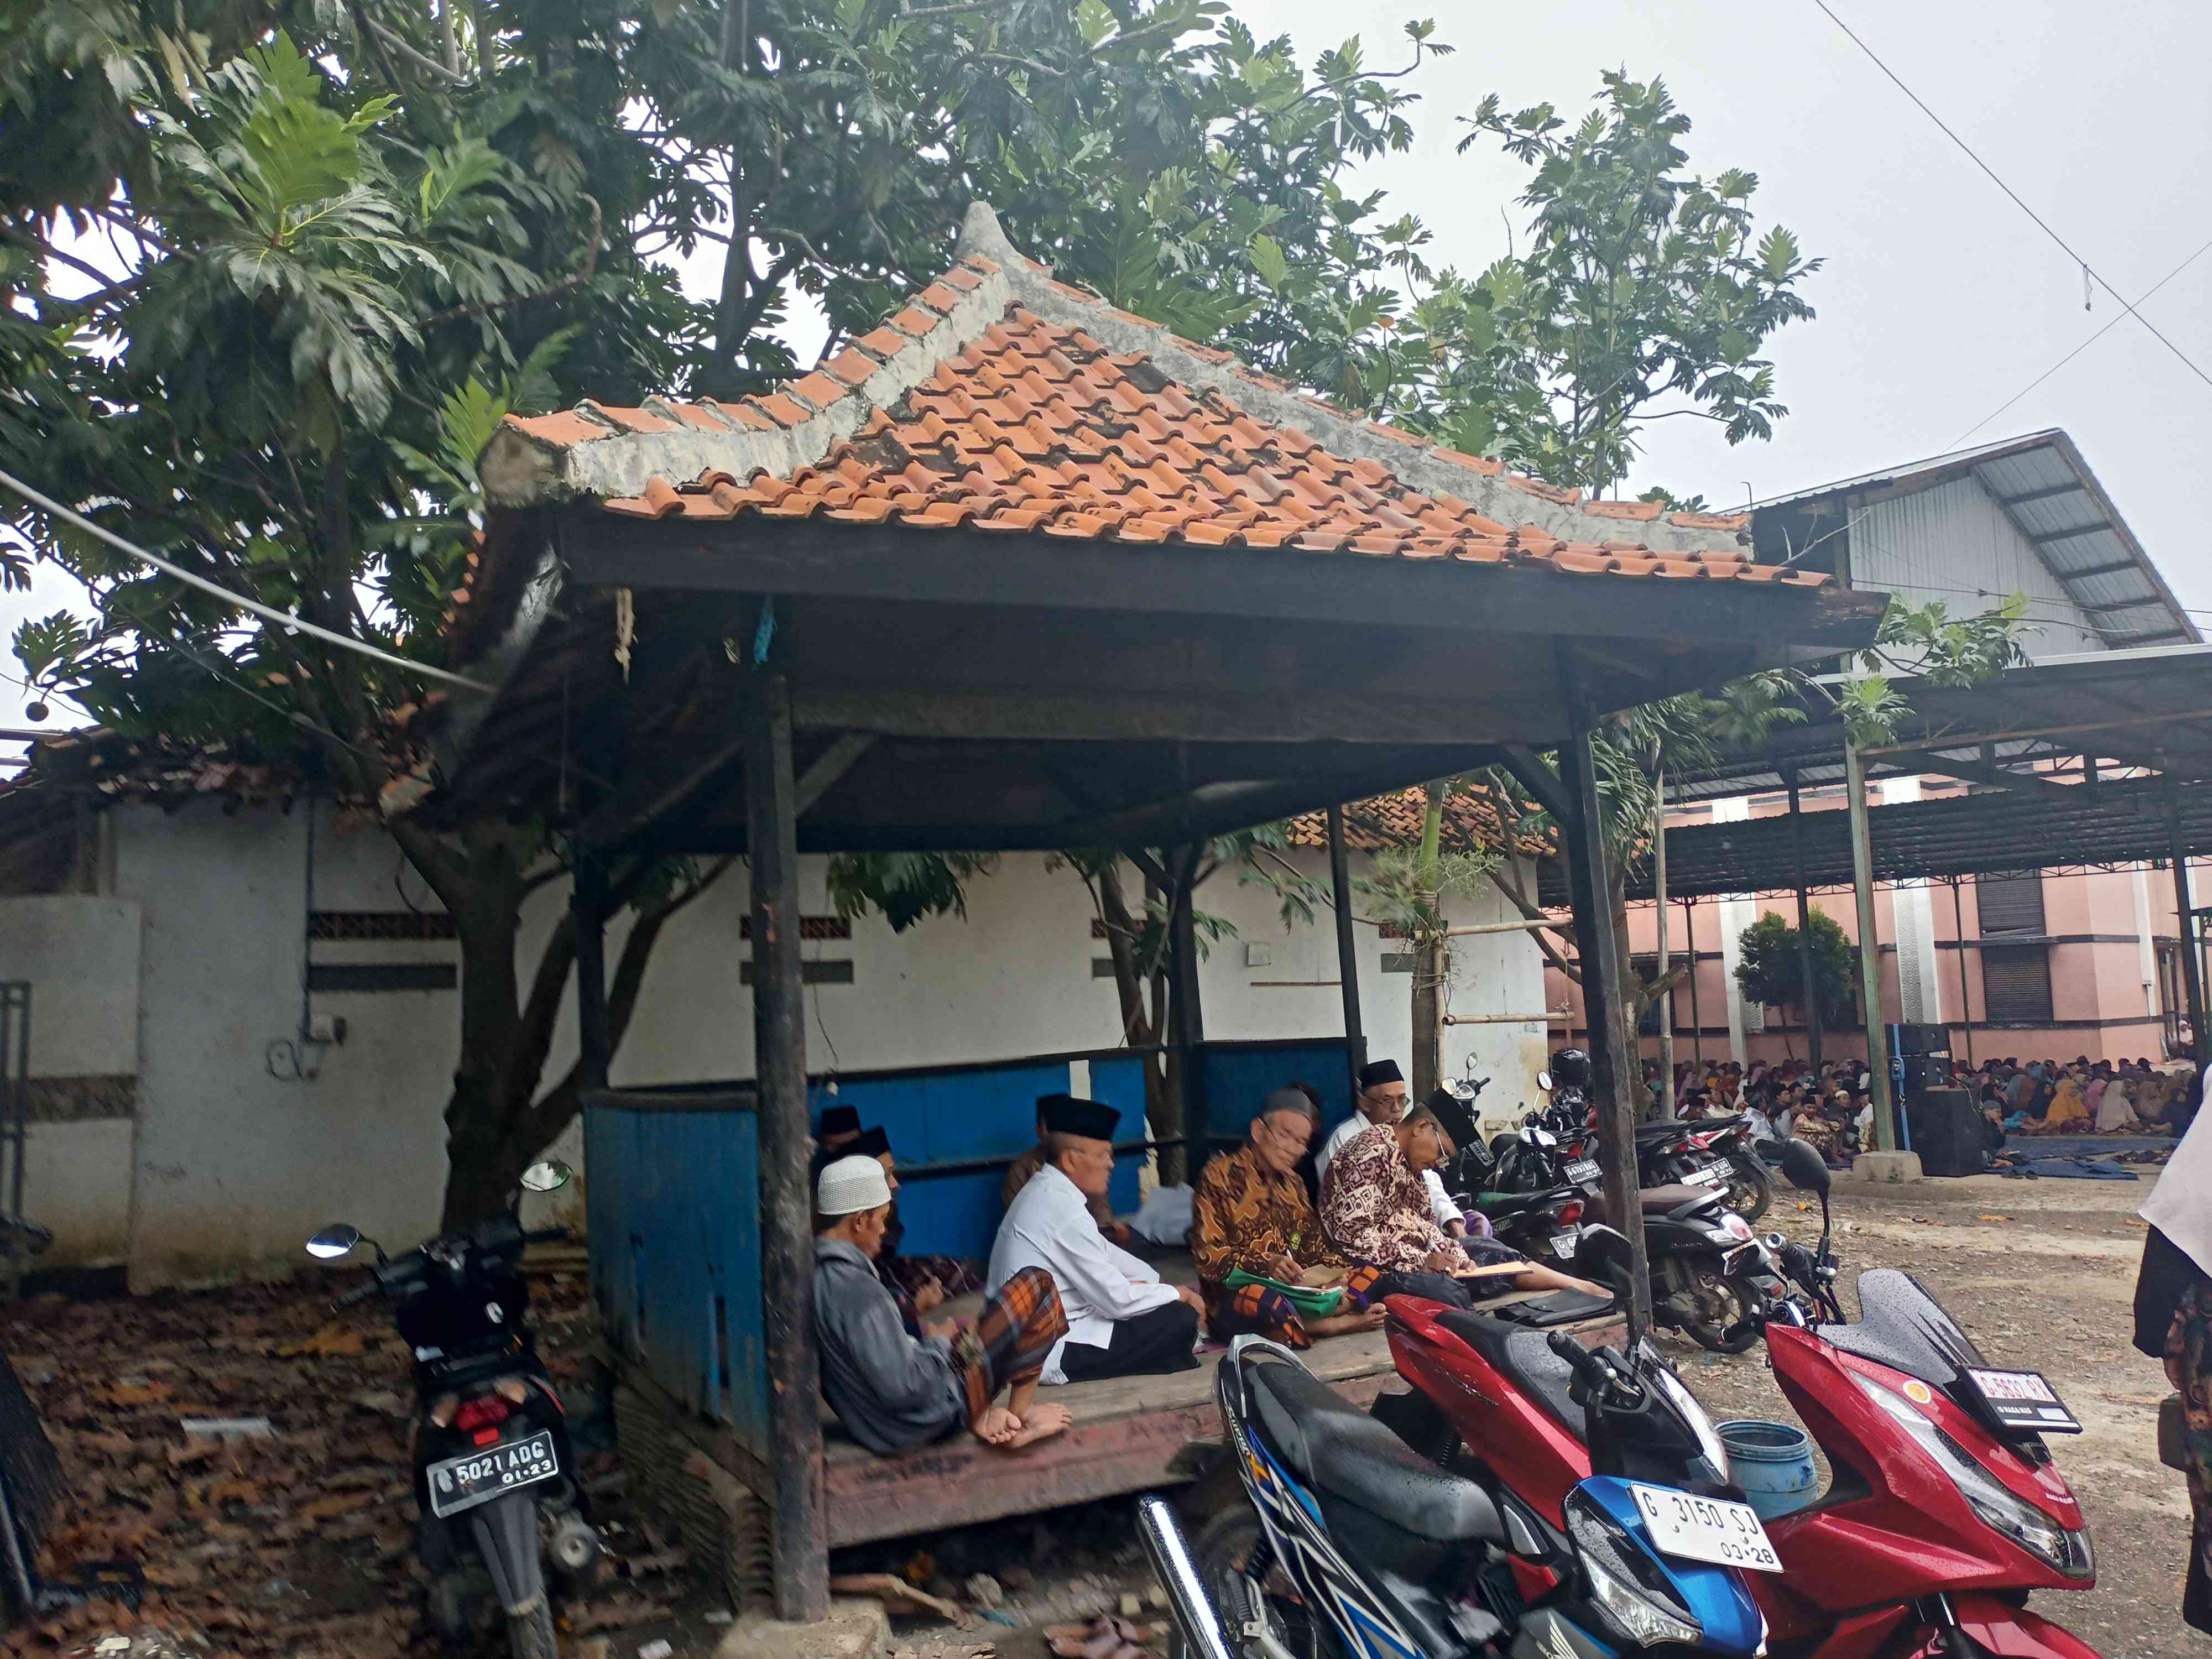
81,955
233,1165
236,1165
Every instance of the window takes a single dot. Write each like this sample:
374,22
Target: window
2016,984
2010,904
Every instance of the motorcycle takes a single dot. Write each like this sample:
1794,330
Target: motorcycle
1710,1274
494,1476
1945,1511
1707,1152
1351,1542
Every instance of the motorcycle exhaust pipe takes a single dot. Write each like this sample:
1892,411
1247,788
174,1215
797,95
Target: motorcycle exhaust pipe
1169,1554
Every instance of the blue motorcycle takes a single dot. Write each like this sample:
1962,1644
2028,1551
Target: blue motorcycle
1354,1546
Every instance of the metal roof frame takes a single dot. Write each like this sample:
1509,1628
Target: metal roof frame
2046,488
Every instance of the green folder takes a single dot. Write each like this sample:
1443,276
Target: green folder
1311,1301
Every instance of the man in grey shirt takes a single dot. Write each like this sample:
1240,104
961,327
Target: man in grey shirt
895,1389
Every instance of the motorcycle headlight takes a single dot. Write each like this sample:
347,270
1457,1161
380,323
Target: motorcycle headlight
1999,1507
1626,1584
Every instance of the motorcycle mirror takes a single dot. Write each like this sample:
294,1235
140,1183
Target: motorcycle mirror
549,1176
1544,1081
334,1241
1806,1168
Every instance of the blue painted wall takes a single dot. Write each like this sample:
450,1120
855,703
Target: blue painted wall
674,1207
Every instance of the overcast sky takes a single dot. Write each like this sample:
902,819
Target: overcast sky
1941,299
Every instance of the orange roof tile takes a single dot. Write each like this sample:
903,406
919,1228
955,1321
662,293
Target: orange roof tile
1474,821
998,399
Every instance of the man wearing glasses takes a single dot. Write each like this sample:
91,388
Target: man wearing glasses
1376,1213
1383,1099
1251,1218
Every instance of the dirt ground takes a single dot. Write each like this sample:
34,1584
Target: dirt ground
299,1544
2042,1275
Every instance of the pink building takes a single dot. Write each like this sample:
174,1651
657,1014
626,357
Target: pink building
2054,964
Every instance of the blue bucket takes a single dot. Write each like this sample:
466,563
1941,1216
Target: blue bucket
1773,1464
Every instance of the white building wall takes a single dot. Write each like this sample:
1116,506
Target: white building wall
1953,542
80,955
236,1161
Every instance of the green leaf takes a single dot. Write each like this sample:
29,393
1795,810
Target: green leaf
1734,347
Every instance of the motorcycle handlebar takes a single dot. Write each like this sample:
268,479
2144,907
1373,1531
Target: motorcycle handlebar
358,1293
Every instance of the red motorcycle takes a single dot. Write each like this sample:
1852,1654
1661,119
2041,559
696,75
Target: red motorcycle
1945,1511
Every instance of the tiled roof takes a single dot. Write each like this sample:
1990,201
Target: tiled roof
1473,821
1002,401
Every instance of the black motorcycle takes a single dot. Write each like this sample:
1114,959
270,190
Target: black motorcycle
494,1478
1710,1274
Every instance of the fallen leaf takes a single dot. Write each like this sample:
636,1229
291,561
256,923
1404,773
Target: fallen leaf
331,1340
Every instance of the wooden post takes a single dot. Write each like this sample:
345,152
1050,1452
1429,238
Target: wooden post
588,902
1966,1002
1347,955
1885,1119
1187,1018
1808,986
1697,1019
1666,998
800,1545
1612,1059
2192,965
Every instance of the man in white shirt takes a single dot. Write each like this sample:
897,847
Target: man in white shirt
1383,1099
1122,1320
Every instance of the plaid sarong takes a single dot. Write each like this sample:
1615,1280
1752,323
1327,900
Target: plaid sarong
1010,1340
1263,1310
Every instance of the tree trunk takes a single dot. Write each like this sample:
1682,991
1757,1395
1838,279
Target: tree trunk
1140,1026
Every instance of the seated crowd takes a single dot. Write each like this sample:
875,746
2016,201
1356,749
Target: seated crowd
1068,1303
1833,1108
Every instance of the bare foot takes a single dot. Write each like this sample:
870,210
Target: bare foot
1344,1324
1044,1422
998,1426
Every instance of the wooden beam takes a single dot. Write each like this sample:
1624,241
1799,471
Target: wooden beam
1529,771
588,903
1347,950
1119,716
890,563
2048,493
2052,537
819,779
799,1540
1613,1064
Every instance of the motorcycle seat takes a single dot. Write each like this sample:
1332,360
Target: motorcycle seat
1328,1441
1525,1356
1665,1200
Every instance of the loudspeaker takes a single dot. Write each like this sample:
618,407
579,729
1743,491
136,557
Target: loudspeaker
1926,1071
1920,1039
1946,1131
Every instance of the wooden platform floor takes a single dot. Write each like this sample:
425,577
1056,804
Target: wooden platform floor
1130,1434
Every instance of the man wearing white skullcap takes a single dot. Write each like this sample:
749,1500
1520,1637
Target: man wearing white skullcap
894,1390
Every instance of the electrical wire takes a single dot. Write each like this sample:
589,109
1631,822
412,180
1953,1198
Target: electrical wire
2077,350
345,641
2088,269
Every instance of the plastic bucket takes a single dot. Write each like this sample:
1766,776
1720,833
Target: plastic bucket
1773,1464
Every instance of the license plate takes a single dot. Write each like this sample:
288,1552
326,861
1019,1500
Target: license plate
462,1482
2022,1400
1581,1169
1705,1528
1713,1175
1563,1245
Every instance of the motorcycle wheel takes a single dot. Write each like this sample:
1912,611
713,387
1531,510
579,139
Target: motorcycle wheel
530,1635
1735,1298
1751,1185
1222,1553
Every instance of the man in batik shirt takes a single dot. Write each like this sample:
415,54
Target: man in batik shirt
1374,1210
1251,1212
